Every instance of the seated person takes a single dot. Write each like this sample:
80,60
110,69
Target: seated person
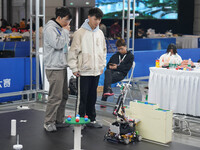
103,28
117,68
8,30
115,30
171,55
141,33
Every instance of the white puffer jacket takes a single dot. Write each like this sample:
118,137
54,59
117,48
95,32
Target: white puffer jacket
88,51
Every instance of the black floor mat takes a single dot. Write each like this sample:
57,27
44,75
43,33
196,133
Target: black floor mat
34,137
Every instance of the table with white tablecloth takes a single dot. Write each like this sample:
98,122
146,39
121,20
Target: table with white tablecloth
177,90
187,41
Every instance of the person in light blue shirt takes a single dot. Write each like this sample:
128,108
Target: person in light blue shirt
8,30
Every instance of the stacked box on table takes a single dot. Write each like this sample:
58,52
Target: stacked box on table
155,123
137,107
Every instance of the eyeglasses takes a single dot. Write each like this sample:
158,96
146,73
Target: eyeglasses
68,20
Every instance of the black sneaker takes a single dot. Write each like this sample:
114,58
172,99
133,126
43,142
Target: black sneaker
94,124
109,92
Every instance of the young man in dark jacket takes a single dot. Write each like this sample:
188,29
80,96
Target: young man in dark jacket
117,68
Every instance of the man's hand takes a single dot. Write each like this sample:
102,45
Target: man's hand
113,66
77,74
102,71
67,27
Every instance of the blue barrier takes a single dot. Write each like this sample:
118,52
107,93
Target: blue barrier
15,75
144,44
11,70
1,45
153,44
146,59
22,49
198,42
27,71
9,46
15,72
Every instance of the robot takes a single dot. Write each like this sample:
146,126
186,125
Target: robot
123,130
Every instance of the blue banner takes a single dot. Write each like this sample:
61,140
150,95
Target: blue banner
22,49
15,76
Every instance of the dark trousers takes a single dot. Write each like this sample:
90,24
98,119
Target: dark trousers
87,96
111,77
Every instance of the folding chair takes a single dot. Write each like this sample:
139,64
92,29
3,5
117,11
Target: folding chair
128,79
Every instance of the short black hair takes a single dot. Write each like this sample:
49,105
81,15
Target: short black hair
173,47
95,12
63,12
120,42
116,20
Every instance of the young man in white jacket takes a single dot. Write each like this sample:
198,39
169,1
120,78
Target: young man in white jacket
87,59
56,39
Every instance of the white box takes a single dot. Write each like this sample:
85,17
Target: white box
155,124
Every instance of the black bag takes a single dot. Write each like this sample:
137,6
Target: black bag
73,86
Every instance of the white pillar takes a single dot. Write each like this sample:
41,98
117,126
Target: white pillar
18,7
13,127
196,29
77,19
77,137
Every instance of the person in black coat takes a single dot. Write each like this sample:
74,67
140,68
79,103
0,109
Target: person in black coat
4,23
117,68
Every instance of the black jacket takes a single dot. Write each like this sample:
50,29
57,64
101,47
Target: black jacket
125,65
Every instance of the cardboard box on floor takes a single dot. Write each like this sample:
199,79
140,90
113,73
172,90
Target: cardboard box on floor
155,123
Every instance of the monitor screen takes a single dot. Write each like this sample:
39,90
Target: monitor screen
144,9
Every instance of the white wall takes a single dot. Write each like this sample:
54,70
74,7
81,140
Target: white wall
18,10
4,15
196,29
50,8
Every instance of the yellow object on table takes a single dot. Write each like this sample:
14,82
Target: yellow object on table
15,37
157,63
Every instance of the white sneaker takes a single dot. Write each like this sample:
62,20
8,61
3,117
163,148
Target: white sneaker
94,124
50,127
83,127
